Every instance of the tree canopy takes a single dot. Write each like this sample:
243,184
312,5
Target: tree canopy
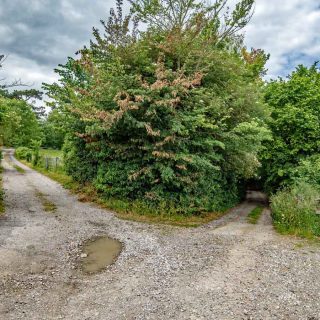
295,124
18,118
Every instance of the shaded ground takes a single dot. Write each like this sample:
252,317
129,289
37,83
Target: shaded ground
228,269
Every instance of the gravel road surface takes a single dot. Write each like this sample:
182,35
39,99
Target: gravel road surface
227,269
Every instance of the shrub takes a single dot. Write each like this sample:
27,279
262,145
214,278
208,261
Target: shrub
295,118
24,153
172,118
308,171
294,210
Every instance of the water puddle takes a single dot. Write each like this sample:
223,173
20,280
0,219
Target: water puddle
99,253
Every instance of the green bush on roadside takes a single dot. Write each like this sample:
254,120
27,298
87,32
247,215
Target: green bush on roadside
24,153
294,210
308,171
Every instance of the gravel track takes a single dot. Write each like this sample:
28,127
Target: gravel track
227,269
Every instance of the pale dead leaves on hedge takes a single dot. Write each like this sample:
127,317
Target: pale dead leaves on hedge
177,82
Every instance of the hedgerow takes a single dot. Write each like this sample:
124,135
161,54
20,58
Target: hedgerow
172,116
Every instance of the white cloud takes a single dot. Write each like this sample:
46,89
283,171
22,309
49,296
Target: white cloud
39,34
32,74
288,30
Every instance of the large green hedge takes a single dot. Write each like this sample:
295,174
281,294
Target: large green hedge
295,124
172,117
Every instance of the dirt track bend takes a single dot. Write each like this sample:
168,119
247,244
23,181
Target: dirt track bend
227,269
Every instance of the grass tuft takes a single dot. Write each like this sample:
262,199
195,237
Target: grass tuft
48,206
255,215
19,169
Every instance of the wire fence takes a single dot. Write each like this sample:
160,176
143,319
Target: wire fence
51,163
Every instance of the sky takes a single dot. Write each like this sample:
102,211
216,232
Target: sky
37,35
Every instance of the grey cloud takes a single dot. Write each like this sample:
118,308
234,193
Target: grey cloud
288,30
39,34
46,30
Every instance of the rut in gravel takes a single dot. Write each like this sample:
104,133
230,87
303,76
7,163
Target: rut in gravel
227,269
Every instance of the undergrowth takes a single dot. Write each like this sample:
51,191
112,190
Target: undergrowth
294,211
125,209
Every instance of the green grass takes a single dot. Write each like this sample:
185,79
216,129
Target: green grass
58,176
19,169
48,206
51,153
254,215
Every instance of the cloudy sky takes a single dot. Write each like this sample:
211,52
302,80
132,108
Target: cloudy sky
37,35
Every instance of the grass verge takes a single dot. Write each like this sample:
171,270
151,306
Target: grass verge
138,211
51,153
127,210
254,215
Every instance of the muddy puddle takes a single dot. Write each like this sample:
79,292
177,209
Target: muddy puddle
99,253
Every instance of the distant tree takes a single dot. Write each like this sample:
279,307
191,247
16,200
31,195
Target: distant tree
31,96
54,130
18,123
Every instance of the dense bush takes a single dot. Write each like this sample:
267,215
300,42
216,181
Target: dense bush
171,115
24,153
294,210
295,124
53,128
308,170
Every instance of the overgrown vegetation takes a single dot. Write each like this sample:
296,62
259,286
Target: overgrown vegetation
165,117
291,162
18,123
295,124
255,214
296,210
171,117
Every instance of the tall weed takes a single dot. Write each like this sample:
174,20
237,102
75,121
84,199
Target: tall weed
294,210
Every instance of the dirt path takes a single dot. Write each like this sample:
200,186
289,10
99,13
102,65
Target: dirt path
225,270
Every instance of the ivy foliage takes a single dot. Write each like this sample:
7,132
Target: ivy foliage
172,116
